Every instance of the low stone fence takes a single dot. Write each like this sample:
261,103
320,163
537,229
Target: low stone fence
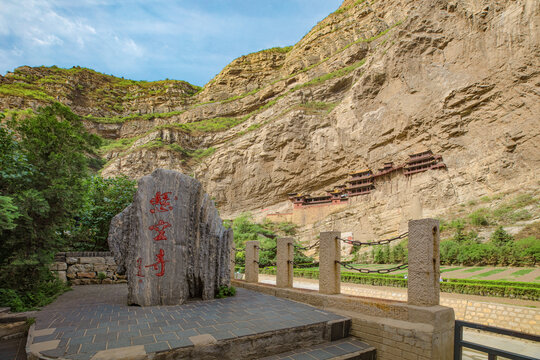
86,268
418,329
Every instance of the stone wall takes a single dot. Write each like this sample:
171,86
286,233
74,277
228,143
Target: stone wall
521,318
84,268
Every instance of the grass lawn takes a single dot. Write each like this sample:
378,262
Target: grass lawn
474,269
521,272
488,273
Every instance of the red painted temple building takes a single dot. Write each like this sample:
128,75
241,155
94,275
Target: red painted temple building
360,183
363,182
423,161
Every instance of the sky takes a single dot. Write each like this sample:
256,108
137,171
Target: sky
150,39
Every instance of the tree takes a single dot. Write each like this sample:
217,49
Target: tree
500,237
104,198
43,164
47,188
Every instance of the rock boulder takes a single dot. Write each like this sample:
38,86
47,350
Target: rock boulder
171,242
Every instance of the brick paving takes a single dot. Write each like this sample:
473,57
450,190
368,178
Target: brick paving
92,318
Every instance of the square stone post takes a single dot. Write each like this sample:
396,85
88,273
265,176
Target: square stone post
284,263
252,261
329,269
424,263
233,259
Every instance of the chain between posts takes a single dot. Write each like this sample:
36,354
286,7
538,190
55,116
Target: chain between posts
380,242
295,263
372,271
306,247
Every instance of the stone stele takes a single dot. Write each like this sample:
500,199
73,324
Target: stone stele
171,242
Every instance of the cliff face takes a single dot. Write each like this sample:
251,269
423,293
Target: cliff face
373,82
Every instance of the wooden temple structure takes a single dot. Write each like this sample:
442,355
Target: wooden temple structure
363,182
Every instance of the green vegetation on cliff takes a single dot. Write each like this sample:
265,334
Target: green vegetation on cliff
90,89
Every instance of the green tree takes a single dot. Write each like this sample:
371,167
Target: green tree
43,168
459,235
55,147
500,237
104,198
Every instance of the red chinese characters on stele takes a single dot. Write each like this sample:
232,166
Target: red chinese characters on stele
161,202
159,264
160,229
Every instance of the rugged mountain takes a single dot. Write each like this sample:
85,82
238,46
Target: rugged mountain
373,82
88,92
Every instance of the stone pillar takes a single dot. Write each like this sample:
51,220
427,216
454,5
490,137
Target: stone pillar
233,259
284,263
252,261
424,263
329,270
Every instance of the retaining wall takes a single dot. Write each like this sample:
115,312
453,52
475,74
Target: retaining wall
85,268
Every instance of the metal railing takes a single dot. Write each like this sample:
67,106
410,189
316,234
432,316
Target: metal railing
492,352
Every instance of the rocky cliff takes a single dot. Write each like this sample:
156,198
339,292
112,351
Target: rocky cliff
373,82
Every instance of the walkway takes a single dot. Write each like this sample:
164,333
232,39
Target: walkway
91,321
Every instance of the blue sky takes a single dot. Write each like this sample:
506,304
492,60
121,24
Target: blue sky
150,39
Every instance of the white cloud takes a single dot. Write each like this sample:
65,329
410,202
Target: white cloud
144,39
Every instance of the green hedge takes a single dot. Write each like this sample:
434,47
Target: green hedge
519,292
511,289
495,282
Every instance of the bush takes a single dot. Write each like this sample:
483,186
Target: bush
103,200
500,237
449,251
225,291
28,286
528,250
478,217
245,229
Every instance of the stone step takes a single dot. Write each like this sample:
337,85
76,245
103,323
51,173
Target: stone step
344,349
4,310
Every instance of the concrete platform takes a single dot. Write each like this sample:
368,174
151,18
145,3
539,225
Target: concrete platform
94,322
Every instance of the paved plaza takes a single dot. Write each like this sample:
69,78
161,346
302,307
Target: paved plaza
90,319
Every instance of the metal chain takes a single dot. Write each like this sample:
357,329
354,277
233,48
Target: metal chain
295,263
263,266
306,247
380,242
371,271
